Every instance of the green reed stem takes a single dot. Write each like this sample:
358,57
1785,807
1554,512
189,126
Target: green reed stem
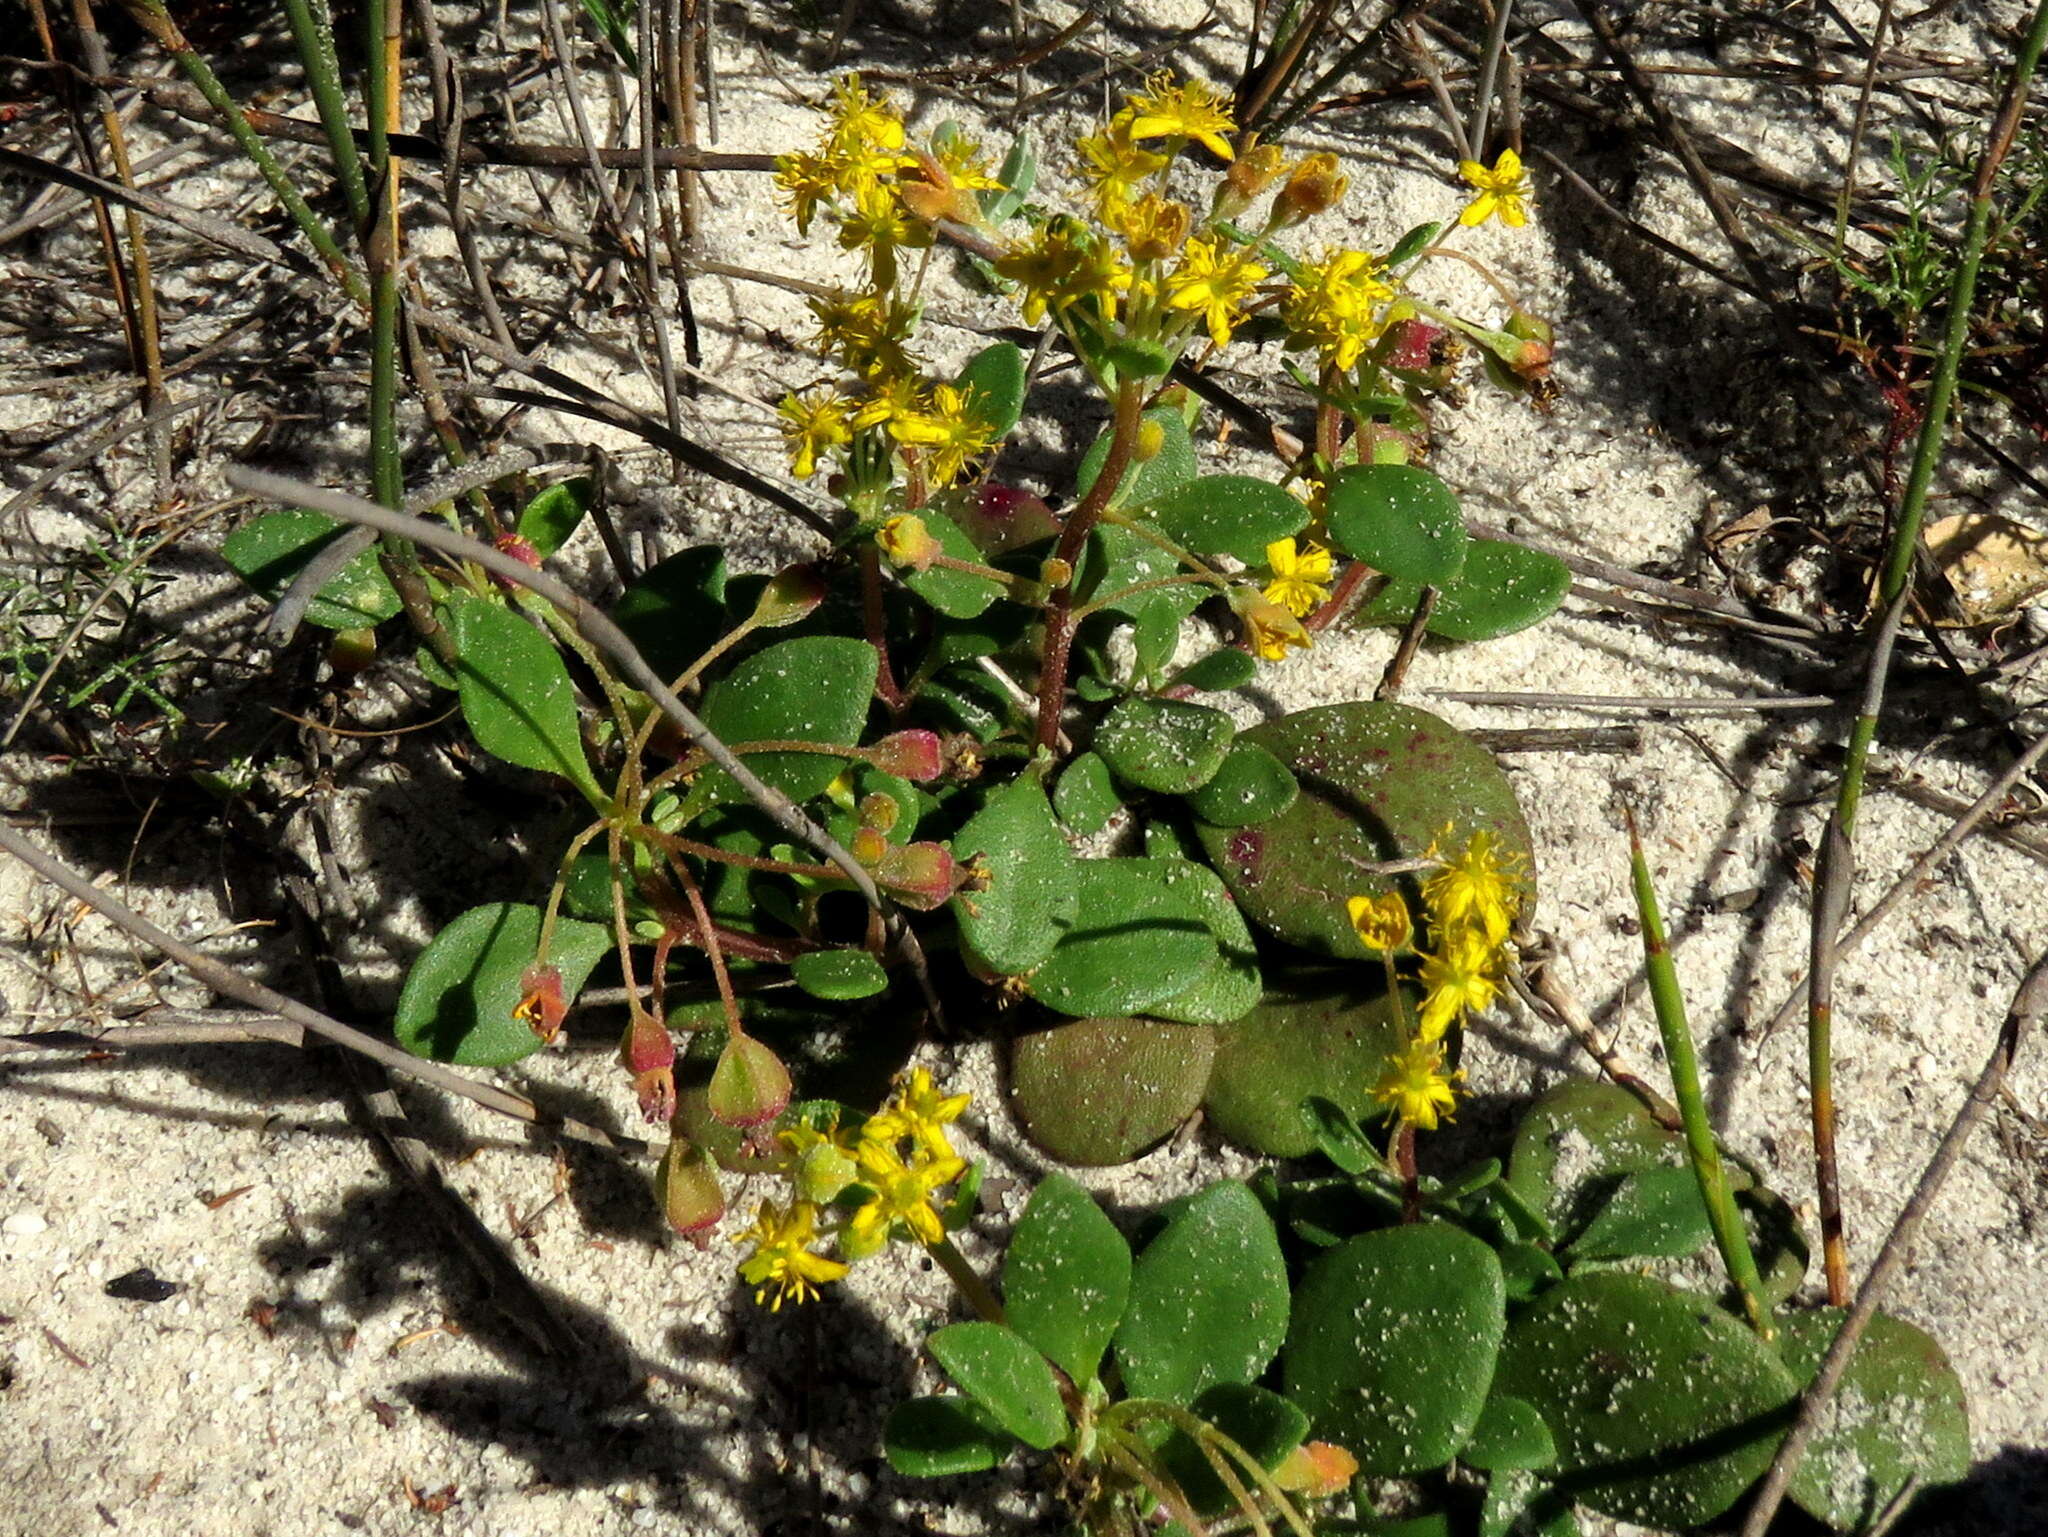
1700,1146
313,33
380,249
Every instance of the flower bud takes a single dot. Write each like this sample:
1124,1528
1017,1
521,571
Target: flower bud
686,1185
351,652
919,875
749,1086
868,846
649,1053
541,1005
1316,1469
916,755
880,812
928,190
789,596
519,548
1381,922
1252,172
1414,344
908,543
1314,186
1151,439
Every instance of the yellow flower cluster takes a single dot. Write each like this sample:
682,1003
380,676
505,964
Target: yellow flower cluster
887,196
1339,306
1470,898
897,1162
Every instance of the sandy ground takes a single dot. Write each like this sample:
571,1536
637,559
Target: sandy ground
327,1350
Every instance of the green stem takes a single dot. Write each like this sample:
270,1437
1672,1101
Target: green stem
380,249
1700,1147
964,1276
314,36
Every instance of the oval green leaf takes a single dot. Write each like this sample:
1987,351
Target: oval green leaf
1066,1277
1378,782
1173,466
515,692
1503,588
458,998
1663,1407
1262,1423
270,551
956,594
1236,515
1208,1299
1400,519
1003,1374
1510,1434
551,517
1084,797
1251,786
1220,671
675,610
1012,924
812,689
1140,933
837,975
1231,987
993,381
1330,1041
943,1435
1166,745
1393,1344
1101,1091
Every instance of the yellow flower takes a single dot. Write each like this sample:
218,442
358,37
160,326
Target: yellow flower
902,1196
809,180
920,1113
813,422
948,434
1153,227
867,333
1215,282
823,1160
879,225
782,1260
1113,163
1459,977
1191,111
1063,265
861,121
1503,190
892,402
1314,185
1473,891
1270,628
1381,922
1334,306
1415,1085
1300,581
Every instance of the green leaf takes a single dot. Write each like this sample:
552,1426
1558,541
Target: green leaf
1400,519
1393,1344
1378,782
269,551
1263,1423
1084,797
1220,671
1251,786
1510,1434
1654,1213
1503,588
1576,1141
551,517
1412,243
1663,1407
1013,924
812,689
1232,985
1172,466
1101,1091
1115,560
956,594
1208,1299
675,610
458,998
941,1435
1339,1137
1136,357
994,384
515,692
1066,1277
1003,1374
1140,933
1899,1412
837,975
1322,1037
1164,744
1235,515
1018,174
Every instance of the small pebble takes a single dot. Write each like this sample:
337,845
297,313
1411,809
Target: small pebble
24,1224
1926,1067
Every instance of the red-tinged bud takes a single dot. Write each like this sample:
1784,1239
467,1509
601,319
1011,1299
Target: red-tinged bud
749,1086
520,549
541,1006
789,596
928,190
879,812
686,1184
351,652
649,1054
869,846
1414,344
1316,1469
909,542
918,755
963,758
920,875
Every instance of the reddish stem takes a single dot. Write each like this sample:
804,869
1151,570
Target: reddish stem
878,635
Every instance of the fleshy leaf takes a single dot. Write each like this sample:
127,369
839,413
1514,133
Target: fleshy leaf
1655,1213
1330,1041
1393,1344
458,998
956,594
1220,671
944,1434
837,975
1208,1299
1005,1376
675,609
1164,744
1261,1422
1502,588
815,688
1510,1434
1400,519
1172,466
1140,933
994,383
1237,515
1251,786
269,551
551,517
1231,987
515,692
1066,1276
1013,924
1101,1091
1084,797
